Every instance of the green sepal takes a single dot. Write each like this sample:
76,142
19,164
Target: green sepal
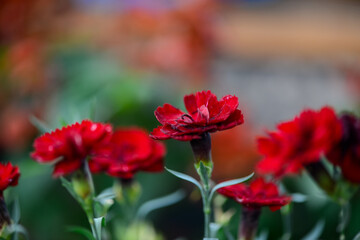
204,169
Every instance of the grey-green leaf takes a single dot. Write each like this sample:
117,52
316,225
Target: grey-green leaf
16,211
161,202
39,124
17,228
263,235
99,222
105,195
357,237
298,197
68,185
185,177
316,231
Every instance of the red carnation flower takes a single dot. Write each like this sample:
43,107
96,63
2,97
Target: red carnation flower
128,151
205,114
258,194
9,176
68,147
299,142
346,153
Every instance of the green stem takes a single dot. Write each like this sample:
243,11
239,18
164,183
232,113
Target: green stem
286,218
205,176
249,223
91,214
207,212
204,167
343,219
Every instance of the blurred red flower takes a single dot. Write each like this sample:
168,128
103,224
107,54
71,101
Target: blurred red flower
128,151
346,153
299,142
68,147
9,176
177,40
206,114
258,194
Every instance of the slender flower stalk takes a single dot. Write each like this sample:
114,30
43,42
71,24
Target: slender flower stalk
300,142
204,166
83,186
249,223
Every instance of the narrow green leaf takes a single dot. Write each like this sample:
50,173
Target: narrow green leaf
316,231
357,237
298,197
40,125
227,233
16,211
82,231
263,235
228,183
344,217
68,185
185,177
17,228
214,228
15,217
99,222
105,195
161,202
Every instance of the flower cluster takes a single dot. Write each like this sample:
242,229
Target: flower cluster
299,142
70,146
128,151
121,153
309,137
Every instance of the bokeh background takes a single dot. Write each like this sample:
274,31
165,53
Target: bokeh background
116,61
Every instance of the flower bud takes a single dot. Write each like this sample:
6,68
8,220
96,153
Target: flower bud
127,191
81,185
202,149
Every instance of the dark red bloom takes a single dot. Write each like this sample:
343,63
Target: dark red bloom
129,151
68,147
299,142
258,194
346,153
9,176
205,114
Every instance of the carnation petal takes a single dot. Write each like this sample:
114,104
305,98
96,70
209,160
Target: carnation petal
167,114
157,134
236,118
